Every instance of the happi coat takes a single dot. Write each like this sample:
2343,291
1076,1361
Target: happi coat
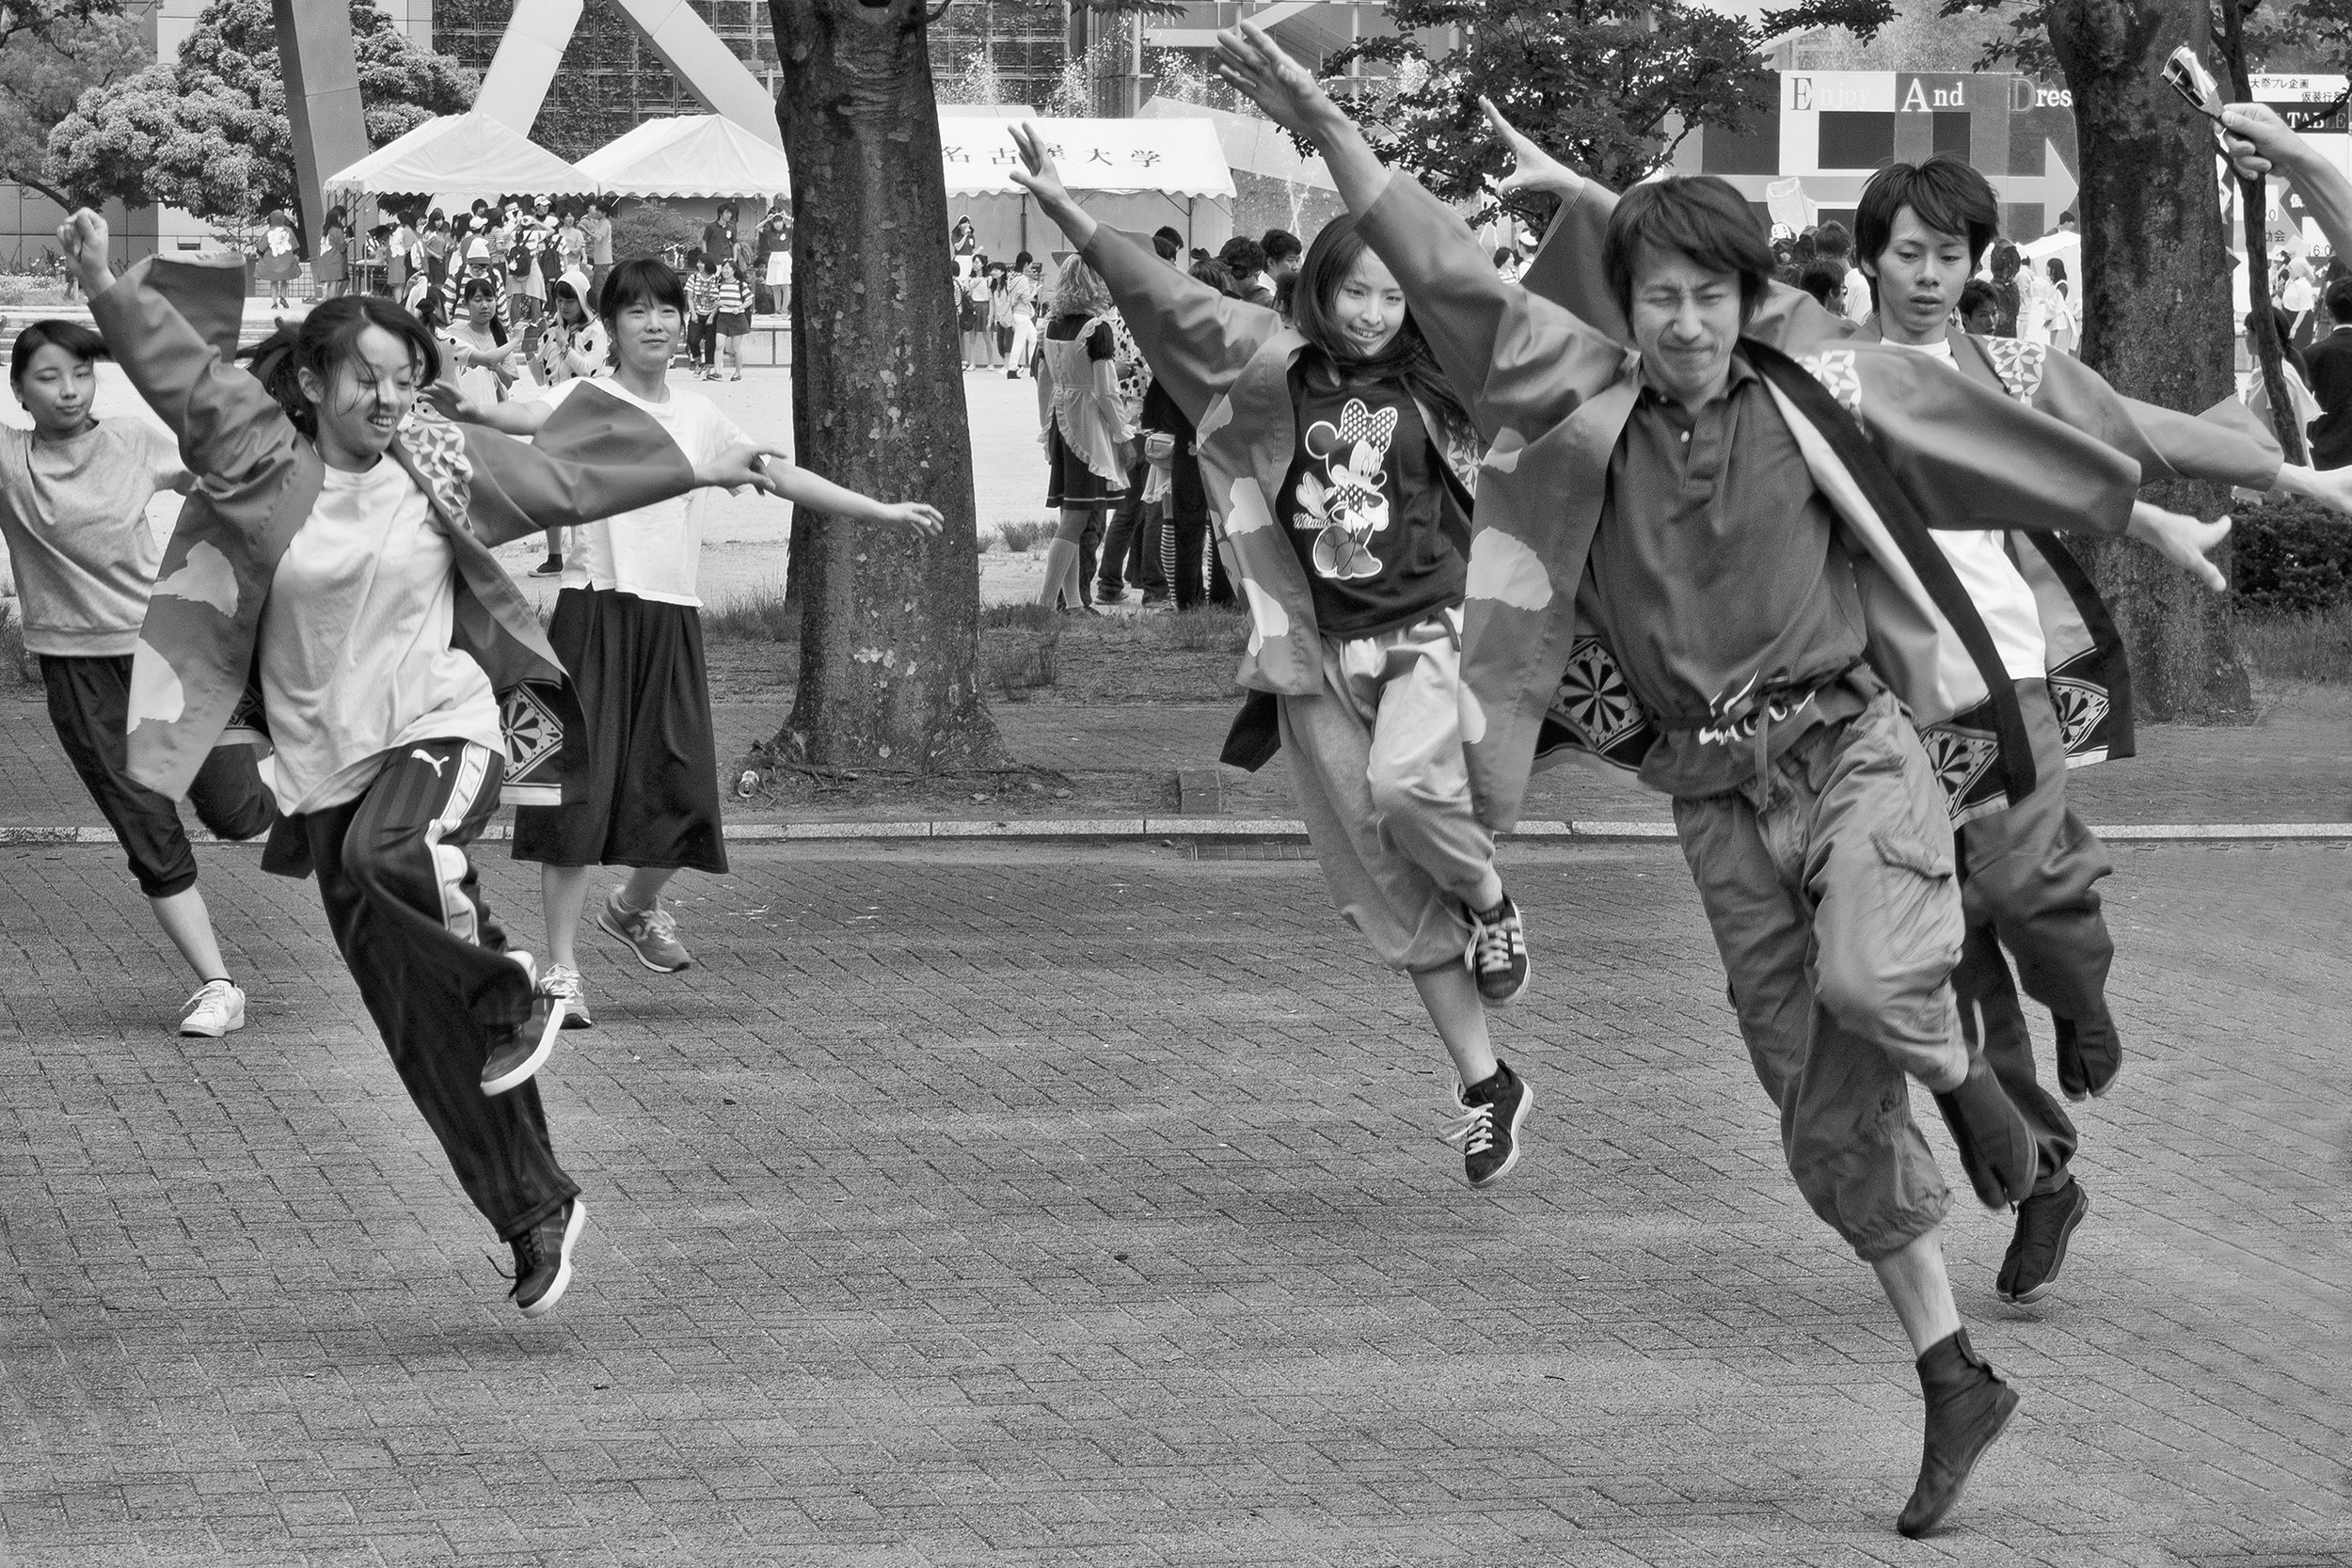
2088,677
1227,364
258,480
1893,443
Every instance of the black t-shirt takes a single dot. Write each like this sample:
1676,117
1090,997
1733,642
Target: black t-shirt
1378,522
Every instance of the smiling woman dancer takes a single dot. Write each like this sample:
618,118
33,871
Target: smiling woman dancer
1348,432
74,495
343,548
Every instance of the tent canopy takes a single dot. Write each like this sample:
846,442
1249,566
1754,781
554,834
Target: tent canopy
462,158
1251,145
1177,157
690,155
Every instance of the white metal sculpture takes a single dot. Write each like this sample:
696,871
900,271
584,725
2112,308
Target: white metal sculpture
532,49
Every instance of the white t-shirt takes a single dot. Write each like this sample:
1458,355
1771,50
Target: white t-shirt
1858,305
654,552
356,656
2002,596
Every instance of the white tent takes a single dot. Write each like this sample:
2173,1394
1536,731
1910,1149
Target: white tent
459,158
1135,174
690,155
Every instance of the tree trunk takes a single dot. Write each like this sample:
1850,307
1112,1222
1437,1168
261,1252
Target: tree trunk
889,623
2262,327
2155,316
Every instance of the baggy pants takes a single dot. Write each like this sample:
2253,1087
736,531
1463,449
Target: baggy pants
2029,882
1830,887
1131,547
1376,758
430,960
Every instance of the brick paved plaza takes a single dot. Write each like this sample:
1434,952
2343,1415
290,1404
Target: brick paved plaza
1068,1206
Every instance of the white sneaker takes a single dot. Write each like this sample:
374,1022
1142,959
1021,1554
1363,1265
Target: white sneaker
212,1011
562,986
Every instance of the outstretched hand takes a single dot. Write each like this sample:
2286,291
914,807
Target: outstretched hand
738,465
2182,540
2256,139
84,238
914,516
444,399
1261,70
1533,168
1042,179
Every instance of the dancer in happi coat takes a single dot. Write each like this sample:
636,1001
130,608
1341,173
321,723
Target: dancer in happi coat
1338,458
1737,541
338,548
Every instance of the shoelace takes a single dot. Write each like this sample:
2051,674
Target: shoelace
1474,1134
658,922
212,992
1499,944
526,1259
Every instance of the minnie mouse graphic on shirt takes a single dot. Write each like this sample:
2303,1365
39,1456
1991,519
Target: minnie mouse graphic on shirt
1342,503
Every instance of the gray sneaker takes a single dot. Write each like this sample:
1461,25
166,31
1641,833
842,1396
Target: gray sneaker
651,934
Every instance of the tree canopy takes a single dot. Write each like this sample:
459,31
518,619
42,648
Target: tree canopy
45,69
209,130
1610,86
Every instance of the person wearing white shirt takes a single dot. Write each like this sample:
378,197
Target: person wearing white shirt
2032,868
625,626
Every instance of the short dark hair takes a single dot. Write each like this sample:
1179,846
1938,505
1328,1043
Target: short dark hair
72,337
1948,196
2339,300
1819,276
1974,295
1167,233
324,341
1243,255
1698,215
1279,243
1169,243
640,280
1832,239
1216,276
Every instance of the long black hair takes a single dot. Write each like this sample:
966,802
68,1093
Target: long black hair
324,341
1332,364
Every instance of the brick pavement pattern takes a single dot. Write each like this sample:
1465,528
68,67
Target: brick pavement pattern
1086,1207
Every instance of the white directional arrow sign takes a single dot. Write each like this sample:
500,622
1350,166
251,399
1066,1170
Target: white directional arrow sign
2055,187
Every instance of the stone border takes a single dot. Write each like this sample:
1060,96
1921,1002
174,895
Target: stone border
1123,828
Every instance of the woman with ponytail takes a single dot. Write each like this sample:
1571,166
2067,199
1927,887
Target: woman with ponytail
337,546
1338,464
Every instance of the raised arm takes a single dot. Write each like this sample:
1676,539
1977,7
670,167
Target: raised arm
1196,340
2261,143
1519,361
227,426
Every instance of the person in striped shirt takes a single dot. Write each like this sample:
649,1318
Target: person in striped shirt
701,314
735,315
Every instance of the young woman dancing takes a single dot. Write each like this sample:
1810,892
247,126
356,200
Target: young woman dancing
74,495
342,549
642,786
1337,458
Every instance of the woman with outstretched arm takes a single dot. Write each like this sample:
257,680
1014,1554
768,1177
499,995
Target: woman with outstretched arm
1337,460
340,548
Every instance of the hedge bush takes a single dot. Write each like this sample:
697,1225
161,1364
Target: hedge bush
2293,556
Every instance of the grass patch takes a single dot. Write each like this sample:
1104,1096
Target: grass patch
1019,538
2287,647
1208,630
757,614
1029,616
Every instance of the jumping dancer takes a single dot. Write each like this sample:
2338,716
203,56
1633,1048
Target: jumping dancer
642,785
1703,524
74,495
2030,868
1337,458
342,549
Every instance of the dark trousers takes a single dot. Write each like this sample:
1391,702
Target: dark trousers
1089,543
702,341
88,701
2031,884
1185,534
1131,547
409,919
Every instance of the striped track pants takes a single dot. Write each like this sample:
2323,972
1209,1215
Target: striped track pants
409,919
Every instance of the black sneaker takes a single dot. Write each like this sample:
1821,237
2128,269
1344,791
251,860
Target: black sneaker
1488,1133
519,1052
1496,953
543,1259
552,567
2045,1223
